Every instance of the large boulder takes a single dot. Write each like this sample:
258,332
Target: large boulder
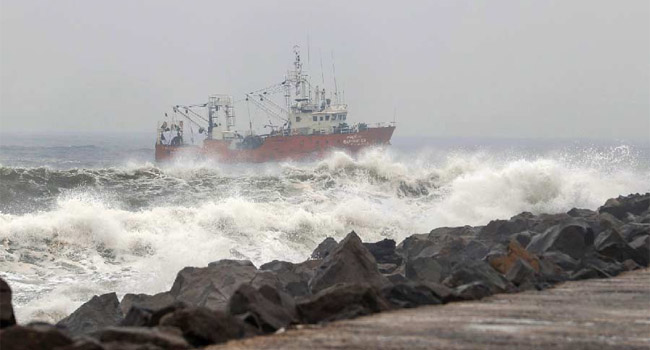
324,248
167,338
522,273
349,262
99,312
33,337
266,309
7,317
500,230
201,326
342,301
141,316
153,302
410,294
212,286
412,245
611,244
642,247
503,261
478,271
384,252
573,238
424,269
294,278
633,230
620,207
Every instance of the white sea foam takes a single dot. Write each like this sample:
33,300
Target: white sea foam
89,242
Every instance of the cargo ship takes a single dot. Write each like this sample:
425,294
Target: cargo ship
308,125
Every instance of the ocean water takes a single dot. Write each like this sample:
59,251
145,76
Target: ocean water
88,214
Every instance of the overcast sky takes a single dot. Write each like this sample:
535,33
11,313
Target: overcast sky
578,69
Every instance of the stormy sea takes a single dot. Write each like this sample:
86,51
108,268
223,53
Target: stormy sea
82,215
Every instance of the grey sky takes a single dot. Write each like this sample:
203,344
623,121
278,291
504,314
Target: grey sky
450,68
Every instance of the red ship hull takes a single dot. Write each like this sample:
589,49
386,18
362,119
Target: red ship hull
274,148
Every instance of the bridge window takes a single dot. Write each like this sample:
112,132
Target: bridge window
321,118
333,116
327,117
315,118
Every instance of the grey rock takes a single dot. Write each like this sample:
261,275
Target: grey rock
33,337
99,312
349,262
572,238
7,317
153,302
324,248
342,301
478,271
265,309
620,207
384,252
409,295
212,286
167,338
424,269
611,244
201,326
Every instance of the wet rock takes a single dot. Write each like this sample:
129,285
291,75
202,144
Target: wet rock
167,338
587,273
412,246
212,286
500,230
641,246
620,207
410,294
139,316
263,309
520,273
153,302
562,260
294,278
611,244
342,301
324,248
467,232
608,221
631,231
231,263
523,238
100,311
503,261
349,262
384,252
424,269
543,222
572,238
33,337
472,291
478,271
201,326
7,317
581,213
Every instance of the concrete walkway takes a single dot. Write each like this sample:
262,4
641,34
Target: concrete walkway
594,314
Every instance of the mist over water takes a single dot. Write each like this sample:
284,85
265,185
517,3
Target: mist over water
100,216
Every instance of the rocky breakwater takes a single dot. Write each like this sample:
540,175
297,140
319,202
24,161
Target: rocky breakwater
231,299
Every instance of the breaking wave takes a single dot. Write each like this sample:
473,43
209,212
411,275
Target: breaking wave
68,234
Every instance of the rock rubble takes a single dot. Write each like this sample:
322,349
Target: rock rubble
231,299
